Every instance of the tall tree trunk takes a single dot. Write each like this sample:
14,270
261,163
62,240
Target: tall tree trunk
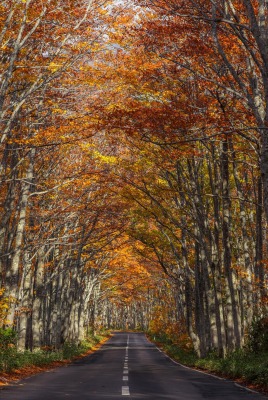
216,265
25,305
38,300
259,268
247,289
233,325
12,277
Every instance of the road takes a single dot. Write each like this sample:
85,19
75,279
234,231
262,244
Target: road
130,367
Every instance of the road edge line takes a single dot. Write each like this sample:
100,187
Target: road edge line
205,373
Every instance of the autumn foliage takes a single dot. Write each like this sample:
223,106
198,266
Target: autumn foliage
133,170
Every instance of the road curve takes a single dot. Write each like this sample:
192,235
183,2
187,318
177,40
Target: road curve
130,367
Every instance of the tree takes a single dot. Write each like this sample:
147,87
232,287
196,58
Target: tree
191,202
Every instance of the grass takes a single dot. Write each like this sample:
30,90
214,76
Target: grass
247,367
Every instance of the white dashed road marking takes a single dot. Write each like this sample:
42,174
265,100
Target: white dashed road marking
125,389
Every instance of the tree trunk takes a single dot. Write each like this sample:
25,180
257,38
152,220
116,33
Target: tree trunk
25,306
12,277
233,326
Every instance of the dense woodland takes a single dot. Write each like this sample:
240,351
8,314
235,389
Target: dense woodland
134,169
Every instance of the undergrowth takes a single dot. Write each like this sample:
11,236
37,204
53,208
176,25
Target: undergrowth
11,359
245,365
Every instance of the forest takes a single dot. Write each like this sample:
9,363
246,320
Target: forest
134,171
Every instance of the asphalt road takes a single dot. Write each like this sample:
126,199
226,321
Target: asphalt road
130,367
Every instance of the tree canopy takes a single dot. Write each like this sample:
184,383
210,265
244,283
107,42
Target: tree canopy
134,169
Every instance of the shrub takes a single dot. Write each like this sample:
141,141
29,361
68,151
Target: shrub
7,338
258,335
